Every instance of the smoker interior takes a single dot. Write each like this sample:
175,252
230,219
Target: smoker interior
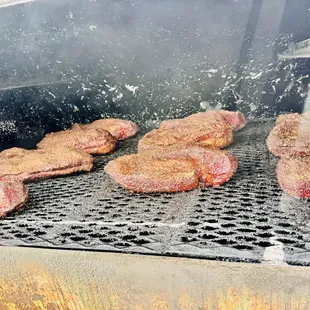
247,219
68,61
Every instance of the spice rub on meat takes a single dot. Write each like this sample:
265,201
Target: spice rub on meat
207,134
290,135
236,120
90,140
13,196
293,174
40,164
290,140
176,168
146,175
212,128
120,129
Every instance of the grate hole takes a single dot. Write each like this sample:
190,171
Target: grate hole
246,230
249,239
284,224
228,225
263,244
40,233
129,237
226,233
19,225
191,231
67,234
141,241
48,226
188,239
245,223
113,232
85,231
224,241
108,240
97,235
208,228
208,236
122,244
146,233
282,232
77,238
265,227
286,241
211,221
265,235
21,235
243,247
262,220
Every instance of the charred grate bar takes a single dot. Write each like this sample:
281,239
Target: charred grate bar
248,219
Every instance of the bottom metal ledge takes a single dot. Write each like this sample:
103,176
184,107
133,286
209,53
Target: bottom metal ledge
81,280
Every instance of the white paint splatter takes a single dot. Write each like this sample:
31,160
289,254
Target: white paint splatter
52,95
204,105
93,27
132,88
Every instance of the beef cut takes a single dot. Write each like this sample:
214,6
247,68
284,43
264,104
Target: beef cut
120,129
38,164
214,134
176,168
140,173
293,174
290,135
212,128
292,117
90,140
236,120
13,196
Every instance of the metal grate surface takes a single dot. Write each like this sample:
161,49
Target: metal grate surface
249,218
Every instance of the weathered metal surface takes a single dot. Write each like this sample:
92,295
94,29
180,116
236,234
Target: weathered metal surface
76,280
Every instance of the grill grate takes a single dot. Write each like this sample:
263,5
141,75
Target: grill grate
249,218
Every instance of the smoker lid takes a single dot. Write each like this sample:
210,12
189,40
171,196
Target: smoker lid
247,219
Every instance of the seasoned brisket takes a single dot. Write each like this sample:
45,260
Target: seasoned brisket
207,134
176,168
290,135
13,196
120,129
236,120
38,164
293,174
90,140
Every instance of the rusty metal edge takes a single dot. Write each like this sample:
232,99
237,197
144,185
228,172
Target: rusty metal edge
79,280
